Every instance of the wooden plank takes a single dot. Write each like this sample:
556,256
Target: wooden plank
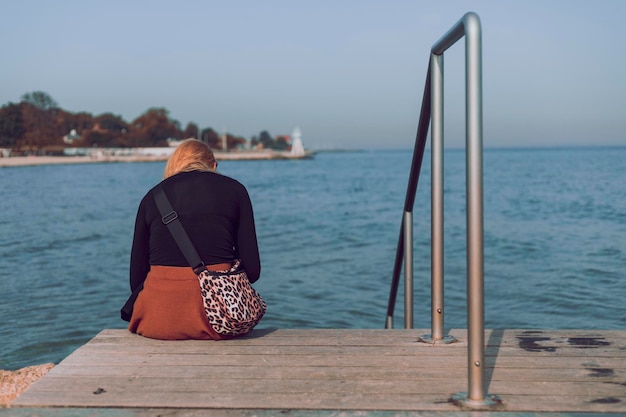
491,354
356,348
324,336
334,401
531,371
366,345
546,343
300,401
409,361
317,372
364,384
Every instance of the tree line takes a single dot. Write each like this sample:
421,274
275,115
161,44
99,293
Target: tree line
37,125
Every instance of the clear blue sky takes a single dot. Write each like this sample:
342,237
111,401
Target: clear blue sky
349,73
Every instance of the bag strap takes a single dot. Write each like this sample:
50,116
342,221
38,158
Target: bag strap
171,220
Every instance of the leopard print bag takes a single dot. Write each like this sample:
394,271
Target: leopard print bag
232,306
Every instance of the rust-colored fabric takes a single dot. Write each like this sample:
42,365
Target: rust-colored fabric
170,306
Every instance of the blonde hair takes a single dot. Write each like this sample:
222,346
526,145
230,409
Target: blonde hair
190,155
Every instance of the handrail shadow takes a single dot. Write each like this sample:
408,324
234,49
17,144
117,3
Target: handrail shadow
493,343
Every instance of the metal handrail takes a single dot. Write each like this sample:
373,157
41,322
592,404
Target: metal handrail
468,26
402,248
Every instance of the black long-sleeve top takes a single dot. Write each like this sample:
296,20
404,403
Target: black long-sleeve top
215,211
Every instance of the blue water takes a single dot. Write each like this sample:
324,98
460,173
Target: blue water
555,243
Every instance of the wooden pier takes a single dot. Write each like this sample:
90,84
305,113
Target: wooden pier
333,372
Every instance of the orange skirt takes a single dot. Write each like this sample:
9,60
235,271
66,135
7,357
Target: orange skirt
170,307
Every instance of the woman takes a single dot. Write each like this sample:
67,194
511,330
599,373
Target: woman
216,212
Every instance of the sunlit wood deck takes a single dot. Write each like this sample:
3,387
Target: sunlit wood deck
318,371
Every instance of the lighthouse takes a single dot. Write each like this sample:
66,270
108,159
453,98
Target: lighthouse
297,148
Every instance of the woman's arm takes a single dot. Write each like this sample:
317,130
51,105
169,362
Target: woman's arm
246,238
139,255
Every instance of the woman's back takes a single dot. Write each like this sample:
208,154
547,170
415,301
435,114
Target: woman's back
216,212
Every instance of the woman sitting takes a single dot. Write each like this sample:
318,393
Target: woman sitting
216,213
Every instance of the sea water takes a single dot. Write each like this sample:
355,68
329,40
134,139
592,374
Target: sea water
554,243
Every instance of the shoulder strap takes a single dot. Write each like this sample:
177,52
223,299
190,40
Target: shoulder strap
171,220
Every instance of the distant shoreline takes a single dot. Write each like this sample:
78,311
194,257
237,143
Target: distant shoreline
17,161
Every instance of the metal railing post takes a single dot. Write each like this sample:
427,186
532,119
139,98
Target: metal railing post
436,204
436,199
408,269
474,187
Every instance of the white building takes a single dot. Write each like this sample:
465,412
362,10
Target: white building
297,148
